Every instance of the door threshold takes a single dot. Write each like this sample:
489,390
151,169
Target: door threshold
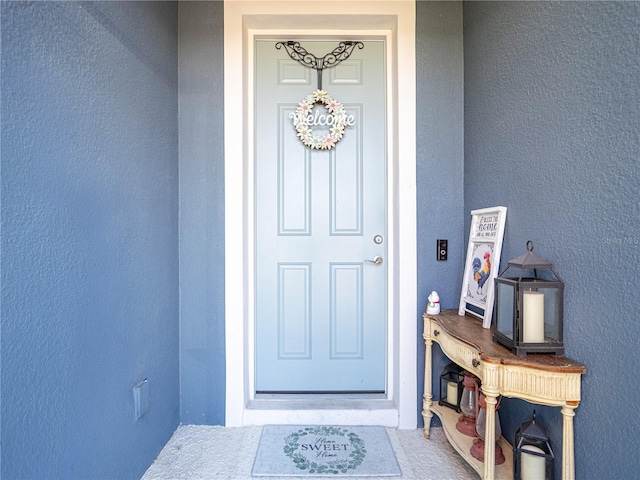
324,409
321,396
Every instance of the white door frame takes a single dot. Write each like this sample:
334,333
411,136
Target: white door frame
243,22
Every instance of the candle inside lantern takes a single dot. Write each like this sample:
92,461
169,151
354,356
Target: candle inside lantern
532,467
452,393
533,317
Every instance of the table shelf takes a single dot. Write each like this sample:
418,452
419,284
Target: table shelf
462,444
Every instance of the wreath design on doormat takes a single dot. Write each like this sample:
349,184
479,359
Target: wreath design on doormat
292,449
337,121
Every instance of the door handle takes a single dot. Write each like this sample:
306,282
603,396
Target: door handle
377,260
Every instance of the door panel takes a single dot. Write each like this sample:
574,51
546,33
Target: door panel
321,321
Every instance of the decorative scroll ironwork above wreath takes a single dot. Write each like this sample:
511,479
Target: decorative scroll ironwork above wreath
298,53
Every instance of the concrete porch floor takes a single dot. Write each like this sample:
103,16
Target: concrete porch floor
226,453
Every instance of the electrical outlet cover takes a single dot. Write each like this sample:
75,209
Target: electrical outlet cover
141,398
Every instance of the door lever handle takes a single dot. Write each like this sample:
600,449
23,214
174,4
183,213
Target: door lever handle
377,260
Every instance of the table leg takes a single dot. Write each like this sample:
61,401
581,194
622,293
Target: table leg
427,398
568,465
490,436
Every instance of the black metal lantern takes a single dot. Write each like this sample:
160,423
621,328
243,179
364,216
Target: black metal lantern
528,306
532,453
451,386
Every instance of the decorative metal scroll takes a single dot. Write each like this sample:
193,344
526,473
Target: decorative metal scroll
309,60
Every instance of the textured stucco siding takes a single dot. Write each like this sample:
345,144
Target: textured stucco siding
552,132
89,236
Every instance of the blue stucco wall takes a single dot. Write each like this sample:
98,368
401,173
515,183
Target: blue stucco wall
202,321
439,164
89,236
552,131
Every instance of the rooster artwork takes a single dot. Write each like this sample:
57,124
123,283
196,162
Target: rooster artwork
481,272
482,263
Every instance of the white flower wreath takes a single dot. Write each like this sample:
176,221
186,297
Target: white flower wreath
337,121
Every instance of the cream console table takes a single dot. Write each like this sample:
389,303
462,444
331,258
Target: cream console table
543,379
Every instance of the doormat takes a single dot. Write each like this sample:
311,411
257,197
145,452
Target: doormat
324,451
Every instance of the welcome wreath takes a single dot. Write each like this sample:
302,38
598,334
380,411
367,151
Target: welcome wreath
337,121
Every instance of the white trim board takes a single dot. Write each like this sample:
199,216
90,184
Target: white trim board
244,21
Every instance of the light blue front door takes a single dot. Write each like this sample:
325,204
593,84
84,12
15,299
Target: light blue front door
321,308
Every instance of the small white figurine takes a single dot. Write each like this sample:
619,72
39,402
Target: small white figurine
433,305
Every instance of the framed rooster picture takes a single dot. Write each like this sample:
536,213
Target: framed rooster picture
483,263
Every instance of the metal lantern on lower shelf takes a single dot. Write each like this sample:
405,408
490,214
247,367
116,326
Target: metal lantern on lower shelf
467,421
477,448
528,306
451,387
532,453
